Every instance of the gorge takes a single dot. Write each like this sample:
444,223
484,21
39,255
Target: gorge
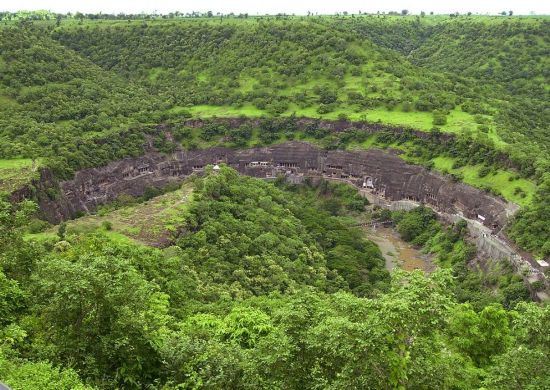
382,176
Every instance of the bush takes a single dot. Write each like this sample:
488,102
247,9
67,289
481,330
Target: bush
456,177
439,118
343,116
325,108
407,106
459,163
107,225
151,192
520,192
37,226
326,96
538,285
484,171
61,230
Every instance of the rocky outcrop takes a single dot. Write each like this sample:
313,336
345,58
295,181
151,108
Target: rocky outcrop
381,172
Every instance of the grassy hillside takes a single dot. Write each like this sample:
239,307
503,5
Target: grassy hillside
477,71
313,68
92,80
61,106
80,94
154,222
15,173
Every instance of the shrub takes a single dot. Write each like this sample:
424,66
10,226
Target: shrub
439,118
484,171
324,108
407,106
151,192
61,230
456,177
37,226
342,116
538,285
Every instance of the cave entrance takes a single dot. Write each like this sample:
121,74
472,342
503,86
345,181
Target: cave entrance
368,183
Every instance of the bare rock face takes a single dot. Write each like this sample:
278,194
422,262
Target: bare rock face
383,173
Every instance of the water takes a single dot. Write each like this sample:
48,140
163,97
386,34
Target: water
397,252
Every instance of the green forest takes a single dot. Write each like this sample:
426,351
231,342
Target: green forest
266,285
80,94
233,282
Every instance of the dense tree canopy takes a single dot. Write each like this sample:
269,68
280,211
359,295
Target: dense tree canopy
62,101
268,287
266,284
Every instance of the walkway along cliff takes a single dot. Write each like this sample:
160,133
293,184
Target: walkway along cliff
384,176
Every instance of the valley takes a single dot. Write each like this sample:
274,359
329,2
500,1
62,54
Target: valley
202,200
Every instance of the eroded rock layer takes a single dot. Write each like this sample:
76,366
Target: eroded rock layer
381,172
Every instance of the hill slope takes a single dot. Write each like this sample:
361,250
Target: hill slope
83,95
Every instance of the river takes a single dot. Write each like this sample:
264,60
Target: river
397,252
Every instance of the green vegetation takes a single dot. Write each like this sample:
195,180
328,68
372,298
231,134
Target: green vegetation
506,183
81,91
530,228
295,65
234,282
263,275
490,281
151,222
397,70
15,173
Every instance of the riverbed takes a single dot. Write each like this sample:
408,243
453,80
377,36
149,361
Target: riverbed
398,253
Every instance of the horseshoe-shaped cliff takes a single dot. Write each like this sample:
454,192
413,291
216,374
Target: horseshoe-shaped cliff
381,172
381,175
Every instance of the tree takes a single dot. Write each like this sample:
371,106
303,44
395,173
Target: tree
17,256
326,95
97,313
13,220
480,335
404,12
20,374
413,226
12,300
80,17
514,370
61,230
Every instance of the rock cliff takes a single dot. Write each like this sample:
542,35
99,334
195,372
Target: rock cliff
381,172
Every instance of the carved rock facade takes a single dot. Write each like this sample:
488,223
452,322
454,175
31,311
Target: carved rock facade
382,173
